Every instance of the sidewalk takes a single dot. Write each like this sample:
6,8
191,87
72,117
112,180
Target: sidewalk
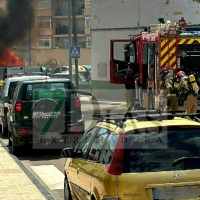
16,182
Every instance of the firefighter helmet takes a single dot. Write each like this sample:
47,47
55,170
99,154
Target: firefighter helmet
164,72
180,74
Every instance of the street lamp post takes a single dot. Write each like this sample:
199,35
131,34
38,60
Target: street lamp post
70,38
75,43
29,44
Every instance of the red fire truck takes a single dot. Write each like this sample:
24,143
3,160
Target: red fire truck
176,47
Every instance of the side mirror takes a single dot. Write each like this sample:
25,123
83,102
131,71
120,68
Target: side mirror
7,100
67,153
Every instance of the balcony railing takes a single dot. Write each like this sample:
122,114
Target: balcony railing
64,12
64,30
61,30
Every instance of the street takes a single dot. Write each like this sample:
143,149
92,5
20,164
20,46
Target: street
47,165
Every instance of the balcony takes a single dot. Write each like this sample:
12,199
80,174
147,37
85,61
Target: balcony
64,31
79,31
61,30
79,10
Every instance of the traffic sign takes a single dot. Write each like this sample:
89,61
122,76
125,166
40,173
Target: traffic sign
75,52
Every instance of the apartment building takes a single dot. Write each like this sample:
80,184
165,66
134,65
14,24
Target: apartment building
50,33
53,23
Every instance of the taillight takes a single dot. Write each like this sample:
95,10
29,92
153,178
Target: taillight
5,111
74,128
18,106
116,165
77,102
24,131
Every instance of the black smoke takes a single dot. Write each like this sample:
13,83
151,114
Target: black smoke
15,22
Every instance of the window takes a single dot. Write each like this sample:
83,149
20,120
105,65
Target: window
108,148
46,90
87,22
88,41
44,41
25,43
44,23
82,148
87,3
97,144
103,146
44,4
11,89
153,151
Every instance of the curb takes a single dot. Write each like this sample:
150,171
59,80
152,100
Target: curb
42,189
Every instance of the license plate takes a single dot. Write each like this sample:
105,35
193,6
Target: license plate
176,192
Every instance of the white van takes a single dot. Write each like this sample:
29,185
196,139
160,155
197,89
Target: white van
6,72
8,90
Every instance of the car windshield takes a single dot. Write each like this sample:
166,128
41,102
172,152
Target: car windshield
46,90
11,90
156,151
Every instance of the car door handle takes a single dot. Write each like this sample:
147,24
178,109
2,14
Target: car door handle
77,171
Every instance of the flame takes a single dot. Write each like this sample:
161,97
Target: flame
9,58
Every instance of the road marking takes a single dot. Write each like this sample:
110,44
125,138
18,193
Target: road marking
50,175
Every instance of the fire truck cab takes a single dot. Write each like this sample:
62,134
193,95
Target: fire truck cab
176,47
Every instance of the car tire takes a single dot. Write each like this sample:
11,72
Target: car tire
67,193
14,148
4,131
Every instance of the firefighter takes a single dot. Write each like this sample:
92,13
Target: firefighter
189,91
129,87
171,93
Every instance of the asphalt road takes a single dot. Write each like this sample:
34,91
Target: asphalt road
47,165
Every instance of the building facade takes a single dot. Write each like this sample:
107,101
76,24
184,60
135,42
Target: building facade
118,20
50,32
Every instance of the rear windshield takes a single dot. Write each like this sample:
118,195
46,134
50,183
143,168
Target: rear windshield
156,151
11,89
47,90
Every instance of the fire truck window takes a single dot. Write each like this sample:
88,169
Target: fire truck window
118,49
145,54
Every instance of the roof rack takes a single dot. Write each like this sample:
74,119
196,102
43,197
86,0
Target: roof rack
26,74
145,115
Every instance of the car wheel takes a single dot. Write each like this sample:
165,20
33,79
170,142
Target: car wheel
67,193
4,131
14,147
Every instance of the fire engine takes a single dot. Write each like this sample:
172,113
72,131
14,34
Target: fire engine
163,45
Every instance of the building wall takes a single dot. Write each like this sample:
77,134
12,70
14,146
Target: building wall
117,20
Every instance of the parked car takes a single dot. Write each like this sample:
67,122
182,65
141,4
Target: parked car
45,112
85,86
146,156
7,90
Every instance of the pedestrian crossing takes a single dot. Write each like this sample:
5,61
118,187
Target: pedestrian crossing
50,175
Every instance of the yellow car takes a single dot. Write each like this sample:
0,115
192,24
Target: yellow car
140,157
